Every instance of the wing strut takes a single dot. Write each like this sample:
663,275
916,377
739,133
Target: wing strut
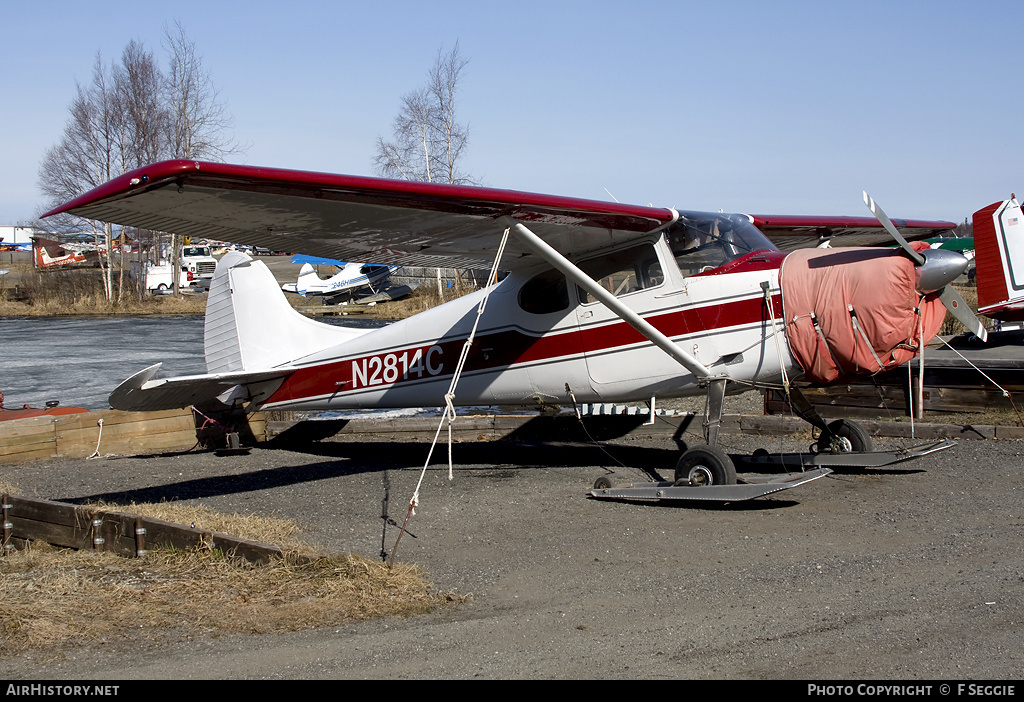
627,315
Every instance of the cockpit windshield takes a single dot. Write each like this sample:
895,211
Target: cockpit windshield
704,240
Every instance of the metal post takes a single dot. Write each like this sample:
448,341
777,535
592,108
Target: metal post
140,538
8,526
919,405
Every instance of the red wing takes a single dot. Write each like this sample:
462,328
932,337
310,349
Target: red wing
354,218
791,232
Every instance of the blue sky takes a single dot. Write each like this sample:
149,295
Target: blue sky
760,107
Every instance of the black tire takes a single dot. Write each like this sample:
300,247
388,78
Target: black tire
603,483
845,436
705,465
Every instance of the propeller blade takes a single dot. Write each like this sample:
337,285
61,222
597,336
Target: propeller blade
889,227
959,308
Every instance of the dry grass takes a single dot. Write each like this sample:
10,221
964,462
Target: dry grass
79,291
45,295
57,598
284,533
994,416
423,298
950,326
96,305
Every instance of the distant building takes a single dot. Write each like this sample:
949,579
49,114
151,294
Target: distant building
15,234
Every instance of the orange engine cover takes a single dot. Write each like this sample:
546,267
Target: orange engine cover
844,289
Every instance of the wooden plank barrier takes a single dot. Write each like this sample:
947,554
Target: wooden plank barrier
107,432
88,527
950,385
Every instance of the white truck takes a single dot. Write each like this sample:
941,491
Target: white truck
198,260
195,270
159,276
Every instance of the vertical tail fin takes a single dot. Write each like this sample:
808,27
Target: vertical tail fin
250,325
307,278
999,260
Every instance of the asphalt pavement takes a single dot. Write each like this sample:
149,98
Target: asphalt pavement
909,572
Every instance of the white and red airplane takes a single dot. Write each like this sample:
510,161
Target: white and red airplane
50,254
603,302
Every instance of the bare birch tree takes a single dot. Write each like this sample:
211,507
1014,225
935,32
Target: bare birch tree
129,115
428,141
142,116
86,156
198,125
138,83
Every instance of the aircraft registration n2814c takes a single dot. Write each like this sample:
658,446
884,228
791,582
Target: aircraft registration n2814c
602,302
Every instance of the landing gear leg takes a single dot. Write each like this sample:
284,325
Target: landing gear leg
805,410
840,436
708,465
713,414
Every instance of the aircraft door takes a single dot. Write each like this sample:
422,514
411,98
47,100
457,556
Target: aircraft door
538,342
618,357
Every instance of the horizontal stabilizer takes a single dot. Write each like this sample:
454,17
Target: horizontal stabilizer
143,392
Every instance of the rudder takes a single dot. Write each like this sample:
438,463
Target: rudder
999,260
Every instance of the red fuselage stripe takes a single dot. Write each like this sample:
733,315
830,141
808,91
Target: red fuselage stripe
502,349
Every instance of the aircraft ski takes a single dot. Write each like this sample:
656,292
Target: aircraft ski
693,486
751,488
602,302
862,459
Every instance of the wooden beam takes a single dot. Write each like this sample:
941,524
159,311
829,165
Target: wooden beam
89,527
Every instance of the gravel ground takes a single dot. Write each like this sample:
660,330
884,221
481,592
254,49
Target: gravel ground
911,572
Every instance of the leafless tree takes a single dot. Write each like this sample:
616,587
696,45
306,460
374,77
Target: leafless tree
137,92
131,114
199,126
86,156
428,140
142,116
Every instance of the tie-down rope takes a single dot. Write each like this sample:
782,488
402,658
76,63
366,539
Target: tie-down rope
449,397
99,437
1003,390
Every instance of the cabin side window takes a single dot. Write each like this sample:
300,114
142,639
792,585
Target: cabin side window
623,272
544,293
